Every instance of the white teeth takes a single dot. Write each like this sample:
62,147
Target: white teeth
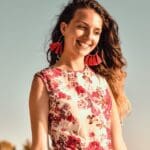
83,45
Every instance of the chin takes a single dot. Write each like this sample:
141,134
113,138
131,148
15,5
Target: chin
83,51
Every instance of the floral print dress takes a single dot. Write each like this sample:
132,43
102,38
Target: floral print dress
79,109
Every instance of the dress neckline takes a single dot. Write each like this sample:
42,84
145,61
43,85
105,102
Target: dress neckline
70,71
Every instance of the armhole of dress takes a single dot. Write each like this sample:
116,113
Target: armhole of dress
42,76
105,84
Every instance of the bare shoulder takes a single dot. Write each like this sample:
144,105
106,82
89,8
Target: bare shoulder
38,90
37,83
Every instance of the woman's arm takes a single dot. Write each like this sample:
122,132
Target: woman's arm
38,106
117,138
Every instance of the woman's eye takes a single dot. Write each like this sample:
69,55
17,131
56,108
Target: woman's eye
97,33
81,27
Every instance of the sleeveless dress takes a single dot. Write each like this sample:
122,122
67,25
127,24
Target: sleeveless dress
79,109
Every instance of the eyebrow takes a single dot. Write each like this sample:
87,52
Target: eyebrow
87,24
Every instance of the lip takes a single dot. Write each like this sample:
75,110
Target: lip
82,44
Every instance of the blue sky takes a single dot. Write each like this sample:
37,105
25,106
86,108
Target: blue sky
24,32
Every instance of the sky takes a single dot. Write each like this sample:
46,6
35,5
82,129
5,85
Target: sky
25,27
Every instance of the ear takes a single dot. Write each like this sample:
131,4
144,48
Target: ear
63,27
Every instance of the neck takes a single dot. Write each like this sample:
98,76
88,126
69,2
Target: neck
71,63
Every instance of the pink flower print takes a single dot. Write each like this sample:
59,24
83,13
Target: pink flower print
94,146
63,129
91,134
56,72
61,95
95,94
82,103
108,105
110,146
70,118
86,78
57,118
107,114
95,111
54,84
108,133
72,142
80,89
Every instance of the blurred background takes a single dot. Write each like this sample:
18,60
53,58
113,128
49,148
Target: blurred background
24,33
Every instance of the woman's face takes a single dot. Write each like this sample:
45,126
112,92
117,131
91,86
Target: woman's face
82,34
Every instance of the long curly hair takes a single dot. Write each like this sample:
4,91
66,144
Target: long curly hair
113,62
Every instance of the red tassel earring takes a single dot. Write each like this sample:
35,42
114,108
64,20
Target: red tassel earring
93,60
56,47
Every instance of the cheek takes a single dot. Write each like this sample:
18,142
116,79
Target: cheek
79,33
72,33
76,32
97,39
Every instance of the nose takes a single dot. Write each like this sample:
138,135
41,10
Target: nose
89,35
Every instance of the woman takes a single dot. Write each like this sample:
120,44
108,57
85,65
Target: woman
71,100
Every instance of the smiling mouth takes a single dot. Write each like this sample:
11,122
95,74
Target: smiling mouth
83,45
